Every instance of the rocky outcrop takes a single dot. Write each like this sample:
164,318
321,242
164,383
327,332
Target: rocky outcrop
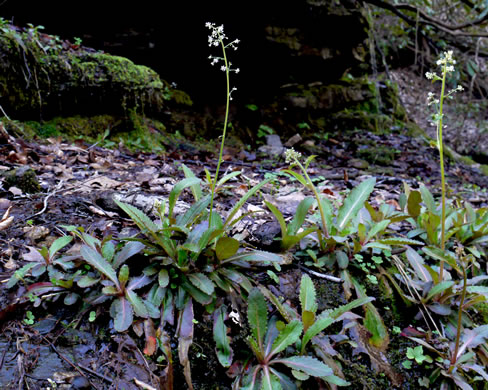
42,76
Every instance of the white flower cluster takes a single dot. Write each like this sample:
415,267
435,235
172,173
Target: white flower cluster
446,62
291,155
216,38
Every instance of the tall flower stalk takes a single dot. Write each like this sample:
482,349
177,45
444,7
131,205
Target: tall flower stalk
446,63
218,38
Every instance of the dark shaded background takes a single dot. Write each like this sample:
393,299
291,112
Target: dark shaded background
171,38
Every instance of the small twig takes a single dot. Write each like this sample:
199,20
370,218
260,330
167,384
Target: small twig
143,385
58,187
323,276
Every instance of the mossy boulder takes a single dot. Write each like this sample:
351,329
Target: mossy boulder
42,76
24,178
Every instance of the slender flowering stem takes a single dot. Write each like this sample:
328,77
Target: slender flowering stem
440,145
446,62
214,181
459,321
317,196
216,38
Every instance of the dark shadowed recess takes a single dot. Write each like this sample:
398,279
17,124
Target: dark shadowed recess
170,37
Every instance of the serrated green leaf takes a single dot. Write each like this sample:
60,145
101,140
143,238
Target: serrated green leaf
87,281
139,282
308,299
197,294
270,382
372,320
322,321
297,176
301,376
413,204
439,254
328,211
222,340
300,215
227,177
255,257
335,380
202,282
288,336
143,222
427,198
257,315
195,188
124,274
108,251
377,228
95,259
194,212
307,364
279,216
439,288
399,241
163,278
354,202
121,312
226,247
285,310
176,191
137,303
59,244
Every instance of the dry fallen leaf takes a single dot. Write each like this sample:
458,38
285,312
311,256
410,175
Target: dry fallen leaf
6,221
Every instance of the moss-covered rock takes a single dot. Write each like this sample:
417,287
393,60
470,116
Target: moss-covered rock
42,76
24,178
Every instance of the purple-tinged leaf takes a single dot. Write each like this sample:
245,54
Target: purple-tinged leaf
288,336
87,281
202,282
137,303
472,338
255,256
130,249
306,364
95,259
257,315
185,337
354,202
417,264
222,340
308,300
59,244
121,312
442,310
139,282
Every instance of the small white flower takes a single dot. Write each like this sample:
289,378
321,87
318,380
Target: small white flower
291,155
223,68
237,70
